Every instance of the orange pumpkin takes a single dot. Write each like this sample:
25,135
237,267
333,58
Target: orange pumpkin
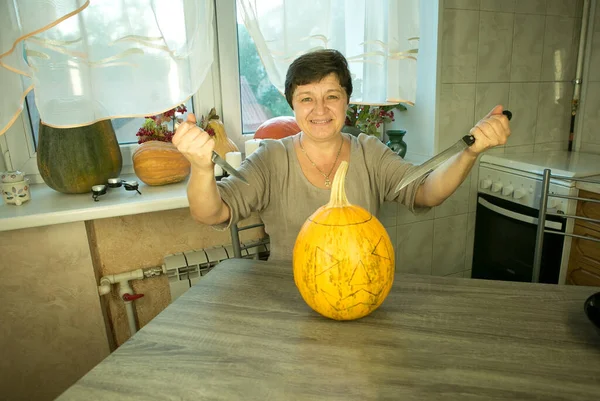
277,128
343,258
160,163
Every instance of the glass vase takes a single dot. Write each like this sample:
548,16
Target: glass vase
395,142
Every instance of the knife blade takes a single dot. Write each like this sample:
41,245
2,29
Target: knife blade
437,160
227,167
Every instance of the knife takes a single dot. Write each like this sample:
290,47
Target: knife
227,167
440,158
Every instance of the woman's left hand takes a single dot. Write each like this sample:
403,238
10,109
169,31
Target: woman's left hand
492,130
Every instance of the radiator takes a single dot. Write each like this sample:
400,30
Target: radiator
185,269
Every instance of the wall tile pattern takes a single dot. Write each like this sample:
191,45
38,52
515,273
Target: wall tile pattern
590,110
517,53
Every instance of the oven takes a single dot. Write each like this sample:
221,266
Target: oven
505,238
506,225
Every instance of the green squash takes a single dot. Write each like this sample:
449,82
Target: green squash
72,160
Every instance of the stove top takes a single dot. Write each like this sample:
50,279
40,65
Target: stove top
564,163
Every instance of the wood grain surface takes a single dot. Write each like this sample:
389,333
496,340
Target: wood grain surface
244,333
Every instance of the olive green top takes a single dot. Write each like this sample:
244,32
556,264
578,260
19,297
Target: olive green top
284,198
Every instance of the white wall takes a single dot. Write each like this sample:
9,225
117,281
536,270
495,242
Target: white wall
420,120
2,163
587,132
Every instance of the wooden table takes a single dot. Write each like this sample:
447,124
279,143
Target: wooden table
244,333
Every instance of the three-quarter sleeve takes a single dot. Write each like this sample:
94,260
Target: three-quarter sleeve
241,198
389,169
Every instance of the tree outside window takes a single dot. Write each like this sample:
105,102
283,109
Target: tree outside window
260,99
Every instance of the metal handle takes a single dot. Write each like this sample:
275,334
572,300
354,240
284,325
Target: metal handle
517,216
543,211
468,139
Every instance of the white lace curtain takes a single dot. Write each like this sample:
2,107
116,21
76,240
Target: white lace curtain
92,60
378,37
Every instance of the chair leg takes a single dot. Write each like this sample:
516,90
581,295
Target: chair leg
539,240
235,241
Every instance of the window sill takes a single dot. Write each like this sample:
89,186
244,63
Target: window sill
48,207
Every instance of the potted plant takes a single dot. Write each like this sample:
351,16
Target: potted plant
213,125
156,128
157,161
369,119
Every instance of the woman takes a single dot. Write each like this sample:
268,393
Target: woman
290,178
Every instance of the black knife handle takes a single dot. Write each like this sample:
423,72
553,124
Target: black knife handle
470,139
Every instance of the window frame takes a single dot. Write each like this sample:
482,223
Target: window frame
17,145
19,151
18,148
229,67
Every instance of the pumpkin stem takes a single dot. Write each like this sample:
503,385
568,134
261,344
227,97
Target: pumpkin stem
218,129
338,188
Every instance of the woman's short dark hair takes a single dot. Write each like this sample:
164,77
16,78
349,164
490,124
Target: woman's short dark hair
313,67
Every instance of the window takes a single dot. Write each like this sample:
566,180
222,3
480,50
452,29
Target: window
244,81
34,116
237,81
22,138
125,128
260,100
18,146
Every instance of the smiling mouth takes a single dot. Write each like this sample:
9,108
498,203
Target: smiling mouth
321,122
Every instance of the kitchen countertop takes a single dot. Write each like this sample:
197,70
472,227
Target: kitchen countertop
51,207
590,186
560,162
244,332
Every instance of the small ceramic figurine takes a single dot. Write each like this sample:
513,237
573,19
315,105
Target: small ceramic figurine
15,187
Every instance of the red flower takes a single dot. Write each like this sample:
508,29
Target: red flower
156,128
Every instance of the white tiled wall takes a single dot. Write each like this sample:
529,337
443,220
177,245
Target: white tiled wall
517,53
521,54
590,133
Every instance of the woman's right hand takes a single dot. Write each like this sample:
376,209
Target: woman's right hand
195,144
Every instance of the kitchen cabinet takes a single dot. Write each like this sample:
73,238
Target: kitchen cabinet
52,324
55,325
584,260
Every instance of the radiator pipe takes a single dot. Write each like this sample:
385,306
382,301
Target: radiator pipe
577,81
126,291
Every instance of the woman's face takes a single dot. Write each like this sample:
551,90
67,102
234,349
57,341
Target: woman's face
320,108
